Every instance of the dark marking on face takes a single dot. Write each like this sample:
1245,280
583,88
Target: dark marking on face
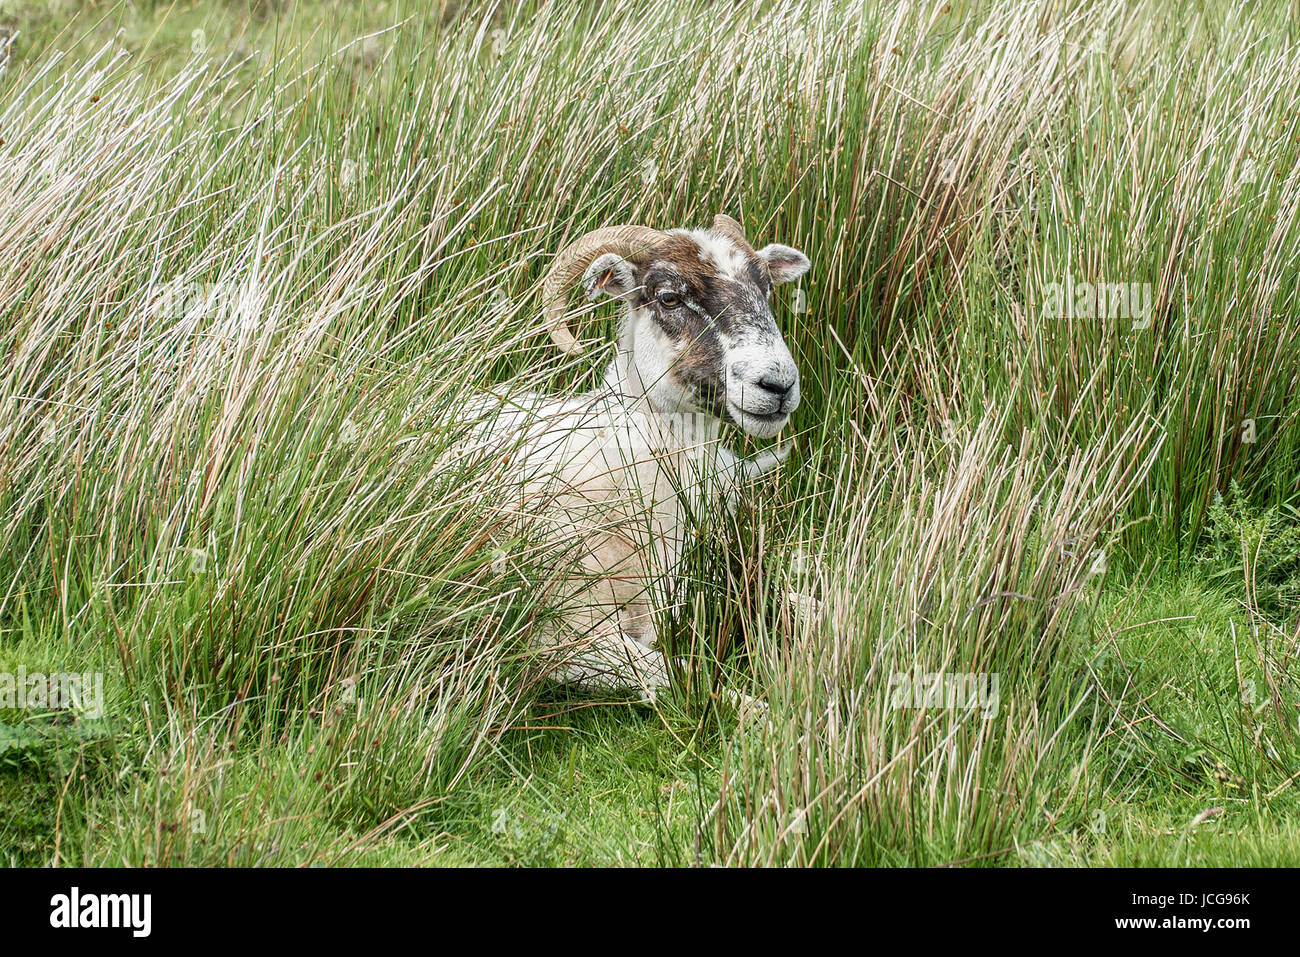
704,310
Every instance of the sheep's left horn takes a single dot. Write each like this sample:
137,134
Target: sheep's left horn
722,223
630,242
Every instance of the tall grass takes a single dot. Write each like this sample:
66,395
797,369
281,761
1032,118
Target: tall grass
243,300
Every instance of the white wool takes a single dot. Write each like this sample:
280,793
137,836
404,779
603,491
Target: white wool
632,484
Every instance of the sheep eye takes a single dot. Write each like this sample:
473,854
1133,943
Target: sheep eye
669,300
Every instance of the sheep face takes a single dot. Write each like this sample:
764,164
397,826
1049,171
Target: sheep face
698,330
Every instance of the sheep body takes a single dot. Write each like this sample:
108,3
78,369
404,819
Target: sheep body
630,485
629,470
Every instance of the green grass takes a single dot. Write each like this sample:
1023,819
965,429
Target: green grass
249,511
604,786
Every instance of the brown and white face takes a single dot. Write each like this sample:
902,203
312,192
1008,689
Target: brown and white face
699,325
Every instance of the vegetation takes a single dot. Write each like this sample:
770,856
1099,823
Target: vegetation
257,254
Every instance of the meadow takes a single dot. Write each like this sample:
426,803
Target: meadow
256,255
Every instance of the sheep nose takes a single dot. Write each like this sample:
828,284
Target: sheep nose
779,384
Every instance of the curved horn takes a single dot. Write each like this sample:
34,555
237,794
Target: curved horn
722,223
629,242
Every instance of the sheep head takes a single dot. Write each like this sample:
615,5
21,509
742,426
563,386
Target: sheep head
698,329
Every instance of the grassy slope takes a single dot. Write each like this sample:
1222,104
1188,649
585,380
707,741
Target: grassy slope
1116,775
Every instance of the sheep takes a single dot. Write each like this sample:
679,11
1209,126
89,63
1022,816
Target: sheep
628,469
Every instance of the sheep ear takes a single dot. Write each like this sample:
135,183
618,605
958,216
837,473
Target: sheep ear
609,275
784,263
